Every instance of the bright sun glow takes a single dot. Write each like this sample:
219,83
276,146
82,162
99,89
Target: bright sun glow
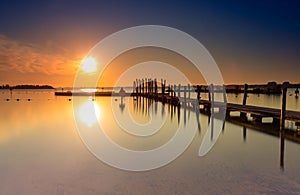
89,65
89,90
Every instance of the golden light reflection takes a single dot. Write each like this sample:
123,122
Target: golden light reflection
89,90
89,65
89,113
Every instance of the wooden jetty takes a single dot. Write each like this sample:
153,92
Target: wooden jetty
178,95
173,95
122,92
108,93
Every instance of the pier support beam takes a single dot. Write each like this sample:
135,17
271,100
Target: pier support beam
282,125
212,98
174,90
242,114
283,107
184,95
224,94
189,91
198,92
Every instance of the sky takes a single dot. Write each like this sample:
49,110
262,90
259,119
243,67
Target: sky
44,42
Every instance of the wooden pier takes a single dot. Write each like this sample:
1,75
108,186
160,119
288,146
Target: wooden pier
178,95
173,95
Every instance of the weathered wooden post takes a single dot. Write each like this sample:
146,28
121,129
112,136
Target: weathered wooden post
209,96
137,84
174,91
189,91
143,86
155,86
224,108
149,86
282,124
212,100
224,94
184,95
152,86
245,94
133,87
243,114
140,86
283,107
162,86
179,86
198,92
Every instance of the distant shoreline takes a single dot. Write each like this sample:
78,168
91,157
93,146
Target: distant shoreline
27,87
270,87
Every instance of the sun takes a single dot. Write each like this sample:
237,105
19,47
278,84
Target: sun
89,64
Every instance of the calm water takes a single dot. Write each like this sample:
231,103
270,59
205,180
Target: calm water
41,151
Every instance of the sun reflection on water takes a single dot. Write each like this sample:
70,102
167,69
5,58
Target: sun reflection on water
89,113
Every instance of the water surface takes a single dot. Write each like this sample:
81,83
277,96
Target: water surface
41,151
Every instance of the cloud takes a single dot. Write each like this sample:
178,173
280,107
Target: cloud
29,58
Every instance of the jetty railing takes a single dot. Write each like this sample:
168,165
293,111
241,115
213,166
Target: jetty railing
173,95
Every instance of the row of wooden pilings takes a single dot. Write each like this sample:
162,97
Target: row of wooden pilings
150,86
172,94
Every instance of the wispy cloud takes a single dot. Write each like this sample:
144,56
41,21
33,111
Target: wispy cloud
48,59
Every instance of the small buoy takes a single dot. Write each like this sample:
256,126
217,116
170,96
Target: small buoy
69,99
28,100
93,99
7,99
116,99
18,99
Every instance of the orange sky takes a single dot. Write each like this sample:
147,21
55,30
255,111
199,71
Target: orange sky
55,65
44,42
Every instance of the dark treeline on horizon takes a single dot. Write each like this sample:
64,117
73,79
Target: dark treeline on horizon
273,86
26,87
